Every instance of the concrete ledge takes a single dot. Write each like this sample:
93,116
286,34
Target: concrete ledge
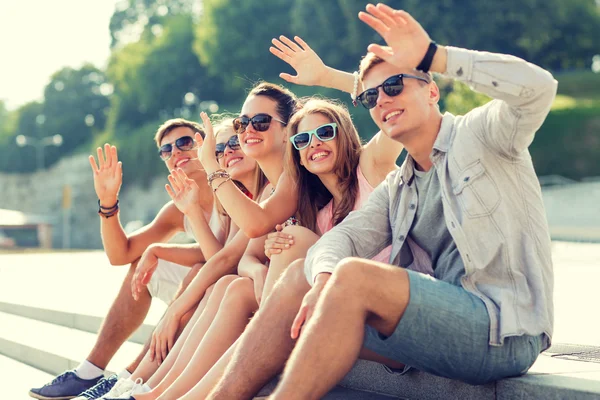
86,323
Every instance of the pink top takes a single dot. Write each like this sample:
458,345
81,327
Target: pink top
325,215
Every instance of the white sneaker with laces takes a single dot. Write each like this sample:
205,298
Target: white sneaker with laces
123,385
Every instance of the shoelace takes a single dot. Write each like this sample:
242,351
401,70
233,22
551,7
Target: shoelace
59,379
102,387
116,390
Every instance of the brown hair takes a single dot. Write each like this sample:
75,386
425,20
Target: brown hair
285,99
171,124
370,60
226,122
313,195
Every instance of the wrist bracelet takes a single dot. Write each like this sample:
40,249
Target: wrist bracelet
221,173
428,59
108,208
108,214
219,185
355,89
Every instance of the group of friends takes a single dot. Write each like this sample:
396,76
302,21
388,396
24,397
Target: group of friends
313,249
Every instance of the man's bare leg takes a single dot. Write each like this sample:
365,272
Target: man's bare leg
262,350
123,318
361,291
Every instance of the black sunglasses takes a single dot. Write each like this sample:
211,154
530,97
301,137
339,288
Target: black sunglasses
392,86
233,143
184,143
324,133
260,122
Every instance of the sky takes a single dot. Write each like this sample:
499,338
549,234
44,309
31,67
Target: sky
39,37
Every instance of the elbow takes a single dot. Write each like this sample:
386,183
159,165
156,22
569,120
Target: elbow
255,231
116,260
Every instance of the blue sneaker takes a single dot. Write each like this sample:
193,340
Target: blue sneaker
64,387
103,386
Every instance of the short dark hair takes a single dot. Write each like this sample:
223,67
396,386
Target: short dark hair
171,124
285,99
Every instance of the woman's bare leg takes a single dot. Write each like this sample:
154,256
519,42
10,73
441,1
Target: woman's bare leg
303,239
238,305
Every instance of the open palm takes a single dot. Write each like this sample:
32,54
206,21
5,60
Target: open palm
310,69
108,174
184,191
406,38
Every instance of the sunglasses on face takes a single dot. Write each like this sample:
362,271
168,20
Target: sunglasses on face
260,122
184,143
392,86
324,133
233,143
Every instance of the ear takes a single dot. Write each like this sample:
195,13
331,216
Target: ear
434,93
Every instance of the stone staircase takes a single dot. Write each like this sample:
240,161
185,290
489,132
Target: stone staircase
52,304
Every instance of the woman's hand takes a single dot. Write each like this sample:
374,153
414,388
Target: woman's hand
184,191
310,69
407,39
207,146
108,175
277,241
163,336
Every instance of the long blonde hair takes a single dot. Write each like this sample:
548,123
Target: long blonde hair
313,195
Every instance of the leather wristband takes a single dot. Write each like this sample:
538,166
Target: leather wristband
428,59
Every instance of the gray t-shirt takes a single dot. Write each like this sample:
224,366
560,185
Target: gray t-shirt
430,232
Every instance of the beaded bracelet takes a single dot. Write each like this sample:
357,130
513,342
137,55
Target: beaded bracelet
355,89
110,213
220,173
108,208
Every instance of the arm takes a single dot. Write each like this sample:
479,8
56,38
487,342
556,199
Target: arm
363,233
378,158
253,266
221,264
120,248
523,95
524,92
185,194
182,254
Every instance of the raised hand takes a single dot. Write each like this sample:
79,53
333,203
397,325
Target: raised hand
310,69
206,146
407,39
108,175
184,191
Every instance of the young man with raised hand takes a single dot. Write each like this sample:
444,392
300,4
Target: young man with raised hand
467,194
171,263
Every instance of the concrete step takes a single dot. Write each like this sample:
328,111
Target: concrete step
53,348
20,378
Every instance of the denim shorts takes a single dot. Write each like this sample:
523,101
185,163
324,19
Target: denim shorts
445,331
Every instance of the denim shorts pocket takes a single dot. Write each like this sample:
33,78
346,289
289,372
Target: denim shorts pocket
475,190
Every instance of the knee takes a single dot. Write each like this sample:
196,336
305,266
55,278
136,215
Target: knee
293,279
224,282
240,292
350,272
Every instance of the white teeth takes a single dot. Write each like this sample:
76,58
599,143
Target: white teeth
392,114
233,161
253,141
320,154
181,162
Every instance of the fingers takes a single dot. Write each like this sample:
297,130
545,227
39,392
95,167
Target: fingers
289,78
279,228
163,349
298,321
101,161
380,52
290,43
151,349
175,183
171,193
209,137
283,48
383,16
108,155
198,138
281,55
93,164
374,23
302,43
170,343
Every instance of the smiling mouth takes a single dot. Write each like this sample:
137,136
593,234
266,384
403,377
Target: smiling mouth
392,115
253,141
181,162
233,161
319,155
